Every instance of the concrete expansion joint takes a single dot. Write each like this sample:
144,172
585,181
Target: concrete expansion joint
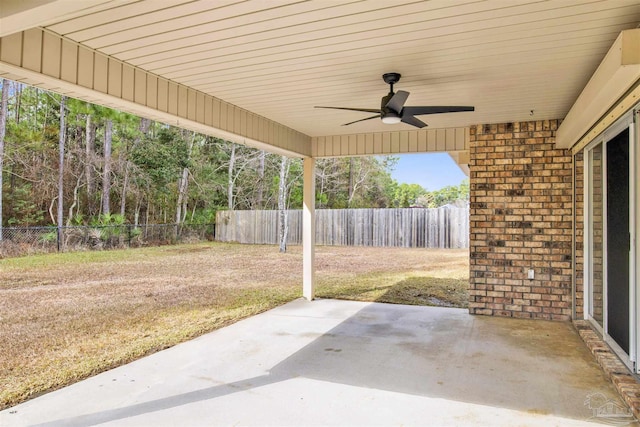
626,383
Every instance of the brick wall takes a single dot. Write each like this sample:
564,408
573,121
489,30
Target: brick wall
521,218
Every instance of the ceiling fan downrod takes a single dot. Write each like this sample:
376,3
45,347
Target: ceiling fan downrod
391,79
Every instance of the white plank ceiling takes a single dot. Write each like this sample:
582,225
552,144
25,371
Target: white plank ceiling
280,58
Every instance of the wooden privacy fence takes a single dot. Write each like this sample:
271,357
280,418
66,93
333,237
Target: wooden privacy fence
445,227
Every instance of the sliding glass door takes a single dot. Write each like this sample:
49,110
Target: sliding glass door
610,223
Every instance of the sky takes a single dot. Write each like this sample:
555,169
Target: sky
432,171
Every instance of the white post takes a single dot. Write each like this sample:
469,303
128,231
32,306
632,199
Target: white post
309,228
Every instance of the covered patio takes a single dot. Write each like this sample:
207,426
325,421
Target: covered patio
548,80
349,363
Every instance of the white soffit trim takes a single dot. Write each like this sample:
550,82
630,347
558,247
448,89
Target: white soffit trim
614,77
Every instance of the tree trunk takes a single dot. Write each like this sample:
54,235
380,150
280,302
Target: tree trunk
183,184
53,202
3,129
232,161
45,120
106,177
74,203
136,215
356,178
90,149
282,205
260,195
350,193
321,174
61,141
36,108
18,89
125,184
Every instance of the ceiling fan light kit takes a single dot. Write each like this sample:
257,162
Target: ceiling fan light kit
393,111
391,118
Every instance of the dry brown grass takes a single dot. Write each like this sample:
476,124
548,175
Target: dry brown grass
64,317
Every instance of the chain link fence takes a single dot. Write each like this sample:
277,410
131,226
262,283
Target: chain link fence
18,241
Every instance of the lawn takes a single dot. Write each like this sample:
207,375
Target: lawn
64,317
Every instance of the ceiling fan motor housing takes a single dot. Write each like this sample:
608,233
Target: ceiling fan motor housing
387,115
384,101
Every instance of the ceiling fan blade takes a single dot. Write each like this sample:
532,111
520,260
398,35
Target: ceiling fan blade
377,116
410,120
397,101
364,110
417,111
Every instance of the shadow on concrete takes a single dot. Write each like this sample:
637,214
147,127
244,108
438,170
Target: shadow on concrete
536,367
428,291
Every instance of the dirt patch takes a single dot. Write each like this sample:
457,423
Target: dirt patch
64,317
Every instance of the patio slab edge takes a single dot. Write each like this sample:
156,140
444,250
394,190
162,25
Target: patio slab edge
626,383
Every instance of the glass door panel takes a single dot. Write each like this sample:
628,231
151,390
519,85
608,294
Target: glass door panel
618,243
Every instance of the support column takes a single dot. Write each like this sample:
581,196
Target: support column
309,228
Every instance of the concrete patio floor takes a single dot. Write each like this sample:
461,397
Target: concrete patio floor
349,363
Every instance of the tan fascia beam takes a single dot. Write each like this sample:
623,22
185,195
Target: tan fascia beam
43,59
391,142
616,75
462,160
20,15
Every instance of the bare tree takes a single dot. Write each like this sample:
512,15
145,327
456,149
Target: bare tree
328,180
61,140
232,162
74,201
259,203
90,150
282,203
358,177
243,176
3,129
183,182
106,177
143,129
18,94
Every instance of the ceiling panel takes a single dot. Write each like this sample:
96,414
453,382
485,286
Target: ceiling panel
280,58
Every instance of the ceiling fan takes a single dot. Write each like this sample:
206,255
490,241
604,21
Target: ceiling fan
392,109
